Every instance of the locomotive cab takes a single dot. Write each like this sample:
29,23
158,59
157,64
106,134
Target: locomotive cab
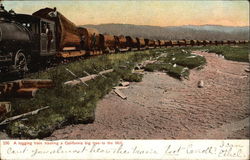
24,39
42,33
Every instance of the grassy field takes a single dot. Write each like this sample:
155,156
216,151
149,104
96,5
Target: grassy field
177,63
72,105
236,53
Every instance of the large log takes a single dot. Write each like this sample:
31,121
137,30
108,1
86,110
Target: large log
12,86
67,32
162,42
157,43
132,42
87,78
151,43
107,42
121,42
26,92
9,87
141,42
37,83
24,87
91,38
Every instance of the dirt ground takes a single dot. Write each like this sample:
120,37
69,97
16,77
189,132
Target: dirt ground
161,107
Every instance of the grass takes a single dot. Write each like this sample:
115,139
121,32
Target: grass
177,63
239,52
72,105
235,53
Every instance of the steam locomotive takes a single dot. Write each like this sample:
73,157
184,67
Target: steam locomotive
29,40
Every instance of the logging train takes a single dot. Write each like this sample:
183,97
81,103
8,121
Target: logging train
27,41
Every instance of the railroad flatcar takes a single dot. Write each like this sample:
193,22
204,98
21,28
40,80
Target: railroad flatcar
146,40
187,42
181,43
241,41
193,42
162,43
232,42
174,43
66,33
157,43
216,43
122,45
200,42
108,43
167,43
150,43
141,43
224,42
132,43
206,42
220,42
90,41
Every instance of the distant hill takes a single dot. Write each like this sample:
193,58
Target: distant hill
210,32
217,28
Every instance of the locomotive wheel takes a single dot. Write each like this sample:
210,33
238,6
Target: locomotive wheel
20,63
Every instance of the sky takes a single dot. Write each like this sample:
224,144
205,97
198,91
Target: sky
154,13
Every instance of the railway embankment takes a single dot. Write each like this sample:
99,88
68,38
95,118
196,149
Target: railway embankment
77,104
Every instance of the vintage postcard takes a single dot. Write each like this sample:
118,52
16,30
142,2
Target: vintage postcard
83,79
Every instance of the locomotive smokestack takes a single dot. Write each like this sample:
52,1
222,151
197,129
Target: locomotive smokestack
12,12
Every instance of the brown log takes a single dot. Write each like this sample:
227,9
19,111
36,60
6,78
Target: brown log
26,92
88,34
8,120
9,87
37,83
81,80
119,93
15,85
87,78
5,107
120,87
68,34
106,71
124,84
107,41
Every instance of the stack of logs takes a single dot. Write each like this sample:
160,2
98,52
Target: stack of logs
26,88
